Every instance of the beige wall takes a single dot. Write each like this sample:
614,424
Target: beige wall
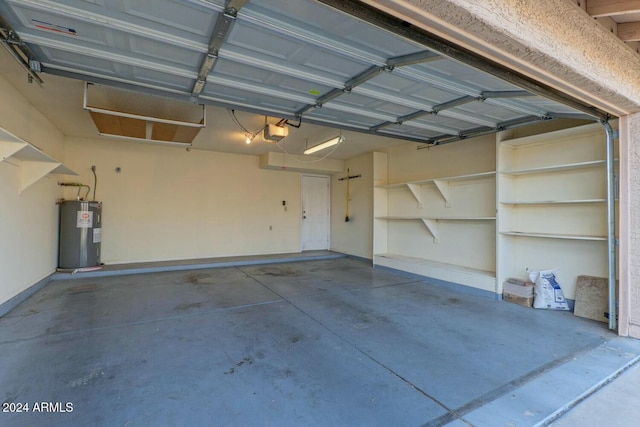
407,163
167,203
28,221
354,237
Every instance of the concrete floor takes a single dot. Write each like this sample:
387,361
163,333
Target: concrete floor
617,404
320,342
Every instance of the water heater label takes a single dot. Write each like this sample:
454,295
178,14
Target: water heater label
97,235
84,219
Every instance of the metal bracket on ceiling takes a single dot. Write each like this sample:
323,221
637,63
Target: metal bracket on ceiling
480,131
493,94
578,116
370,73
434,110
220,31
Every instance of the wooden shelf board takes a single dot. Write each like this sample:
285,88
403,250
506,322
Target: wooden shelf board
561,134
554,236
555,168
406,218
466,177
485,273
554,202
432,180
34,163
31,154
6,136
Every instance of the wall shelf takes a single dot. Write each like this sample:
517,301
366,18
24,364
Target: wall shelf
440,218
34,164
556,168
449,178
553,202
481,279
435,252
431,223
442,184
554,236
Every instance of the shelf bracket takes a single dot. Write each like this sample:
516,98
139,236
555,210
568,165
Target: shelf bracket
9,148
432,226
416,191
33,171
443,188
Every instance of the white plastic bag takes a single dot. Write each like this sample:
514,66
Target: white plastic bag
547,292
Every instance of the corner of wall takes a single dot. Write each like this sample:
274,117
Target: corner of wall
29,226
353,237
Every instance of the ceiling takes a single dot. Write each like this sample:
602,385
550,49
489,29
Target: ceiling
621,17
320,68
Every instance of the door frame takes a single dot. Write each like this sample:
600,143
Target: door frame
302,177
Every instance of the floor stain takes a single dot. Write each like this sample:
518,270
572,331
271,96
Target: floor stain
245,361
82,289
284,374
294,339
186,307
366,320
200,278
278,271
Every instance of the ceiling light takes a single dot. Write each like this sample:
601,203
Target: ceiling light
323,145
248,140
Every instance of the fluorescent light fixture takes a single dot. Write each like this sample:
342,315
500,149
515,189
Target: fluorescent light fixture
323,145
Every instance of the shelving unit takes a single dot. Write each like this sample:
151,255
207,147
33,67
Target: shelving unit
403,211
544,207
34,164
552,205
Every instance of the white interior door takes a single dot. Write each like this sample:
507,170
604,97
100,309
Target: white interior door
315,212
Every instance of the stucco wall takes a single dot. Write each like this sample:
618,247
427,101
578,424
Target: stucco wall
629,273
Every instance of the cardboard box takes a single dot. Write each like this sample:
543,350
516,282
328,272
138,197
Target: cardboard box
521,288
515,299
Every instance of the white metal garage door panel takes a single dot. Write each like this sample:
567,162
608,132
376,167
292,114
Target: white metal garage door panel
299,59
